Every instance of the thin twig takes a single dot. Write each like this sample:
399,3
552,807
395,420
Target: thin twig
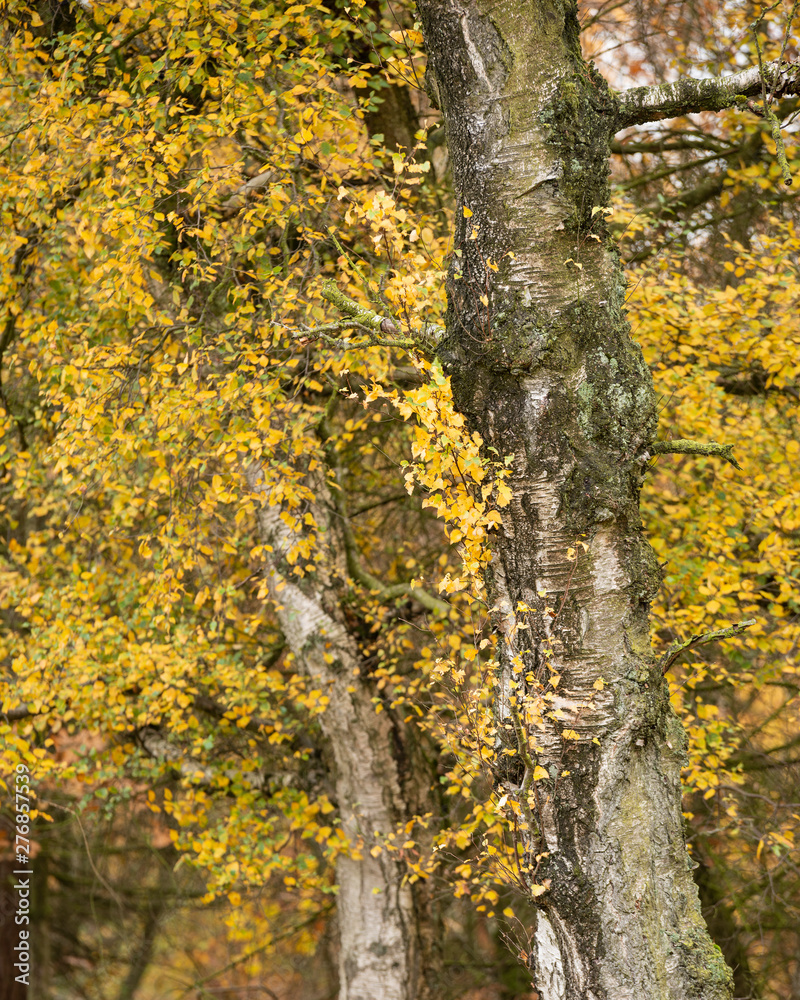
678,648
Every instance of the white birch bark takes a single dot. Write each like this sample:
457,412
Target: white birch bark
543,366
378,925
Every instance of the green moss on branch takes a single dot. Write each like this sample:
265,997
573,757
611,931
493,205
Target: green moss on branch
380,327
683,446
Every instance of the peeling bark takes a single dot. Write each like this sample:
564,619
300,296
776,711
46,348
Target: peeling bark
386,934
542,364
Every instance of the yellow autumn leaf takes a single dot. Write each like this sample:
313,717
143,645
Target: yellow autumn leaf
504,495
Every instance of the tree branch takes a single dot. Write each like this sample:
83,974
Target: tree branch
687,200
17,714
672,142
352,555
423,340
235,202
682,446
158,746
678,648
687,96
668,171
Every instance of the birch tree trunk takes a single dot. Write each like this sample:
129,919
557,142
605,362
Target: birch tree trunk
387,940
543,365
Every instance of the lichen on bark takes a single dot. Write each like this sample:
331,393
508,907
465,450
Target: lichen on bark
543,365
688,95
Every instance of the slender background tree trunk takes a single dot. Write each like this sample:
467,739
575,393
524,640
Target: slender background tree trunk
543,365
387,939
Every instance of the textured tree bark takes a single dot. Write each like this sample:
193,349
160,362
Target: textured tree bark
386,931
543,365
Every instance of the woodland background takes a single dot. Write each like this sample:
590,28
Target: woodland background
179,180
